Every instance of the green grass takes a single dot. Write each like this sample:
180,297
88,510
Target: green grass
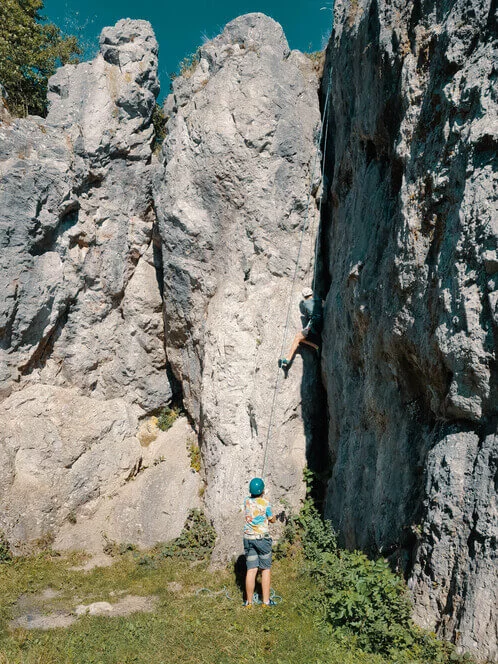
185,627
339,607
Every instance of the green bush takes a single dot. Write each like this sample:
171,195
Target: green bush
5,552
167,417
196,541
363,598
30,52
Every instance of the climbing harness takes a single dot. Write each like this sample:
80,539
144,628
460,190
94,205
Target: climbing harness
303,229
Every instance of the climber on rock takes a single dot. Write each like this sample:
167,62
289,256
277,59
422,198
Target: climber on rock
257,541
312,312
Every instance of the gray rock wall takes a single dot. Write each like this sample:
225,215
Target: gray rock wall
409,257
82,358
231,199
120,270
91,255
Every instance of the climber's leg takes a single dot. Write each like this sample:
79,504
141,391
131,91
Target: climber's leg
285,361
310,343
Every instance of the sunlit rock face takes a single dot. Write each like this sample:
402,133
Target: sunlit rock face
131,276
111,287
232,196
410,272
82,357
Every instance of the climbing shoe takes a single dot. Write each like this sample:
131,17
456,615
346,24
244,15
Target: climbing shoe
247,605
283,363
270,603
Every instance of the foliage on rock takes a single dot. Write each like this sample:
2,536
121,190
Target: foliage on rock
363,598
196,541
187,66
5,552
167,417
194,453
30,52
159,122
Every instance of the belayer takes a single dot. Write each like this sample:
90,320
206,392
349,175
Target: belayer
312,311
257,541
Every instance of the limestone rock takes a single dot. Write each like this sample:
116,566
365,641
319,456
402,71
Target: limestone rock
408,265
231,198
80,299
58,452
152,503
81,325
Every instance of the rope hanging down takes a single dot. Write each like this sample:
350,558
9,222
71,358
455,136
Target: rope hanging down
256,599
303,229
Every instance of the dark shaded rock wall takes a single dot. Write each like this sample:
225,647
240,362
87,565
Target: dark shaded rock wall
410,273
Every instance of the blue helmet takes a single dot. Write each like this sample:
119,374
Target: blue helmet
256,486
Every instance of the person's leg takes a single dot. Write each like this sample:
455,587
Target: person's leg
250,584
252,563
266,584
265,556
310,343
297,340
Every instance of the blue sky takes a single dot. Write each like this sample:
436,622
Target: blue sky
181,27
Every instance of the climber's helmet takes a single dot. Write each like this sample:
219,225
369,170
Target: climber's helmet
307,292
256,486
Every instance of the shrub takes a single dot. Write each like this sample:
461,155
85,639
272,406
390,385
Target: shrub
5,552
196,541
359,597
167,417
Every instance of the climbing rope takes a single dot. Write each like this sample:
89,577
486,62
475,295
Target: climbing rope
212,593
256,598
289,308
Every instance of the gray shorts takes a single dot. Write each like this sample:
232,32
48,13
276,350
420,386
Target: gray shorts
258,553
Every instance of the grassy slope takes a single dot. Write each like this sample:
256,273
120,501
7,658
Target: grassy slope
185,627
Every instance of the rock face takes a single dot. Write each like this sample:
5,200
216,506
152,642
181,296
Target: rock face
128,280
85,268
409,265
82,346
231,198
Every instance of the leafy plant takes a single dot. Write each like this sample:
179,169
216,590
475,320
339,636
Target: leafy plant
362,598
167,417
194,453
113,548
5,552
159,123
30,51
196,541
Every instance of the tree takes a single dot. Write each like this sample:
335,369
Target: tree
30,52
